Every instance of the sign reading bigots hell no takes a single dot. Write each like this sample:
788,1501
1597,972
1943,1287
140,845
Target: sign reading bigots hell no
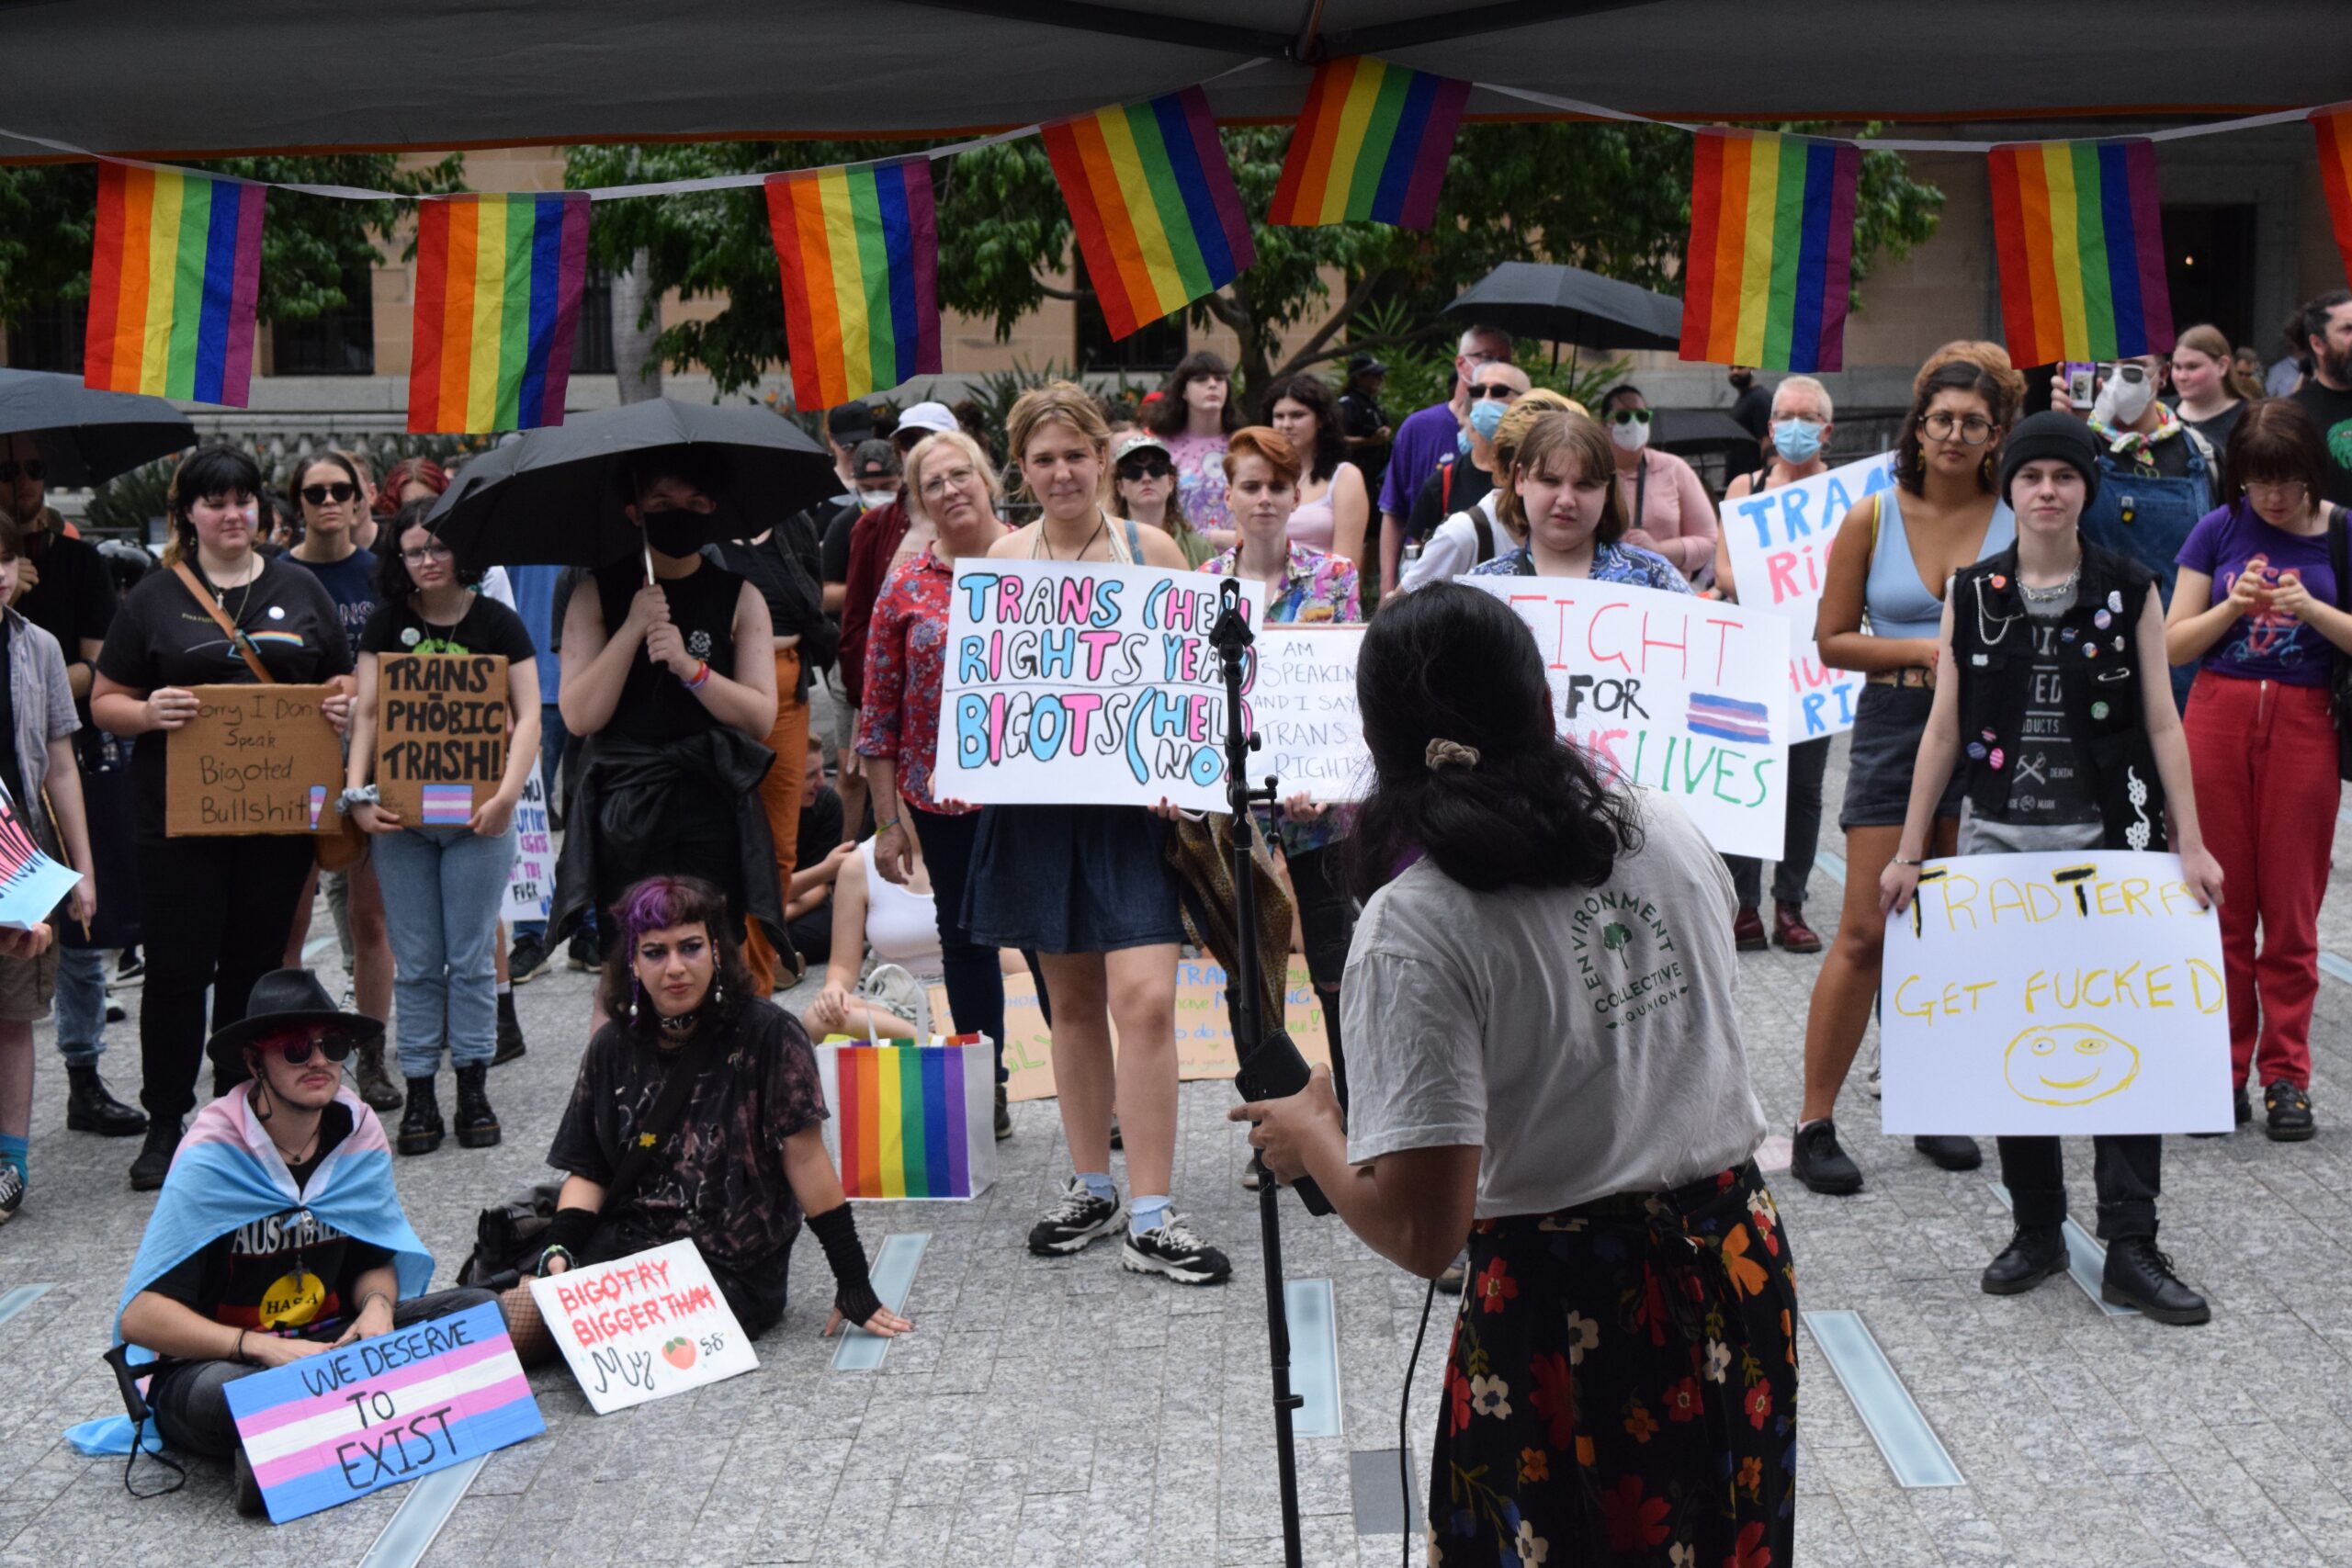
440,734
254,760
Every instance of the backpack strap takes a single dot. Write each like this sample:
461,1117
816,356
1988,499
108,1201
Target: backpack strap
1485,530
237,638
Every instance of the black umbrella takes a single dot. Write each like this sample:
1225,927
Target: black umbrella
550,499
1567,304
88,436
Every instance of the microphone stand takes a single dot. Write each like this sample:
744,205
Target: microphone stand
1271,1066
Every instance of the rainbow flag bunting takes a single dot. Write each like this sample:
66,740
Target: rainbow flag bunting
903,1132
2334,126
1771,248
174,268
498,282
860,253
1370,144
2081,250
1152,199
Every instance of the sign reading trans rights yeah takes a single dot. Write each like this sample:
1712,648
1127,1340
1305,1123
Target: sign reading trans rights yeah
1082,684
254,760
2055,993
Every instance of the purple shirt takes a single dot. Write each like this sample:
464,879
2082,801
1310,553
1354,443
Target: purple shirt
1426,436
2270,645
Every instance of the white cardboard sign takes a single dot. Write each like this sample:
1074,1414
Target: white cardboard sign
1304,709
644,1326
530,886
2054,994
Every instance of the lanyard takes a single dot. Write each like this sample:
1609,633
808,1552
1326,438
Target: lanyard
1641,489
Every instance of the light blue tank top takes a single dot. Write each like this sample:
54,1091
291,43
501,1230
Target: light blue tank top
1897,602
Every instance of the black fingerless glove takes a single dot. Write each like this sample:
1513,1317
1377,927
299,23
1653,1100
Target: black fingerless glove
836,1232
569,1230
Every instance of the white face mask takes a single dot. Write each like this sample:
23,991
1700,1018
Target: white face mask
2125,397
873,498
1631,434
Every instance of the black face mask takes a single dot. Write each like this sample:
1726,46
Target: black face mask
678,533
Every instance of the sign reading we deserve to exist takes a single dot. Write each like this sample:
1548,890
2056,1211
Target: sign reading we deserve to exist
2054,994
340,1424
1684,694
1070,683
1779,542
644,1326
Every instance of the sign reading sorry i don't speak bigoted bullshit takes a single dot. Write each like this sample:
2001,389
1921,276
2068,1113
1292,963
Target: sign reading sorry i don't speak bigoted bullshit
1071,684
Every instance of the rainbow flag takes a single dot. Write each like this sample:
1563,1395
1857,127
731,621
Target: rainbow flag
903,1132
174,268
2081,251
2334,127
1152,199
860,254
1372,144
498,282
1771,250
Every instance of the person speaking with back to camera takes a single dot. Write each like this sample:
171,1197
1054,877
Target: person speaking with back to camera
1544,1054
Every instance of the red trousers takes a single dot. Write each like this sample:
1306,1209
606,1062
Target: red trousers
2263,756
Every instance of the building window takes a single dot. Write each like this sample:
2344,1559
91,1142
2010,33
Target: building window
340,342
50,338
592,347
1156,348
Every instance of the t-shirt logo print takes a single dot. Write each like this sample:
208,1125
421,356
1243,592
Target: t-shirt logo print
698,644
1642,971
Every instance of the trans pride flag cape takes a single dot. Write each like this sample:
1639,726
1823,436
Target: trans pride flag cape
227,1173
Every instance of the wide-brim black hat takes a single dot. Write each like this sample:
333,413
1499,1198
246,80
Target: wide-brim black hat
287,998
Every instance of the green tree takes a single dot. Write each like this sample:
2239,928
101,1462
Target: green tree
1612,198
308,244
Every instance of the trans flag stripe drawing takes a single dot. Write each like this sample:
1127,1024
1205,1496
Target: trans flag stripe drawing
1727,718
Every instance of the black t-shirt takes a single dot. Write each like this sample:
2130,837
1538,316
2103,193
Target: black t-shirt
1752,412
821,828
74,598
2332,412
2047,785
487,626
350,583
161,637
834,557
288,1273
784,584
1437,501
655,704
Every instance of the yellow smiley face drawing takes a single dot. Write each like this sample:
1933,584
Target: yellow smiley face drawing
2069,1064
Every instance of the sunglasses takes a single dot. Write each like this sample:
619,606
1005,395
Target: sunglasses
1629,416
1146,469
1493,389
31,467
298,1051
340,493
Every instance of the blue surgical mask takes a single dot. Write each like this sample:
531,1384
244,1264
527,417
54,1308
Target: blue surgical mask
1487,416
1798,440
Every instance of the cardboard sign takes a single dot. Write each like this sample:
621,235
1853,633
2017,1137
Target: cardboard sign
1203,1028
441,723
2054,994
530,887
30,883
1681,693
254,760
1779,542
644,1327
1072,683
1304,708
333,1427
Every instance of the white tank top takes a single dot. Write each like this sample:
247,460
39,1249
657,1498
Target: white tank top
902,926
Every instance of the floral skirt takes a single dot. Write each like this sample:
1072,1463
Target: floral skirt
1623,1387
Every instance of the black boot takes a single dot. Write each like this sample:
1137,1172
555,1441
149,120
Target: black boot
90,1108
510,1031
420,1129
476,1123
154,1161
2033,1254
1949,1150
1815,1159
376,1086
2140,1275
2287,1113
1003,1116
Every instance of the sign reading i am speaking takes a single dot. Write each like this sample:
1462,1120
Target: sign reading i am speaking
1779,542
1082,684
440,734
644,1326
1304,709
340,1424
254,760
1678,693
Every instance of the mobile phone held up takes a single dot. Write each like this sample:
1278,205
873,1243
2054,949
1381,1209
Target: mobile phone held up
2082,382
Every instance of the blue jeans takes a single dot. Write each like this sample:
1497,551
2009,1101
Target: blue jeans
81,1004
554,740
442,890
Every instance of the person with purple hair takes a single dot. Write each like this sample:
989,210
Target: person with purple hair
745,1161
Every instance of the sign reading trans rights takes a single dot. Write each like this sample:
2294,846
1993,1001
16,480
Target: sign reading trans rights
1684,694
1082,684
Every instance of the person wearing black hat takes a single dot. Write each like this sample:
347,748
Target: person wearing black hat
278,1234
2059,760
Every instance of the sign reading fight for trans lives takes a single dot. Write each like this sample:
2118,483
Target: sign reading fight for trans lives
1072,683
2056,994
1779,541
337,1426
1684,694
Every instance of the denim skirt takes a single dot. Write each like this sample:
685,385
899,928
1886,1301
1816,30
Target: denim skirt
1067,879
1888,723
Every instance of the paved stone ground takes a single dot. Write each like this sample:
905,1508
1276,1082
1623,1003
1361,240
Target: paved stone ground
1066,1412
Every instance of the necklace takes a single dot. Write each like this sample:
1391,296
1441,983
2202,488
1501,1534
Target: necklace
2062,589
293,1156
1045,542
221,592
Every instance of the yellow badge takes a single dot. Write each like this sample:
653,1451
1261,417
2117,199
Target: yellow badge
293,1301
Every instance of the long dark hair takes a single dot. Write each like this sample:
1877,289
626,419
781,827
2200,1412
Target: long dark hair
393,584
1330,442
656,904
1954,376
1453,664
1172,416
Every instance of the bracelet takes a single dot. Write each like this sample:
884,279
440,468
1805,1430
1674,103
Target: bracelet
887,826
238,1355
372,1296
555,1249
701,677
1900,860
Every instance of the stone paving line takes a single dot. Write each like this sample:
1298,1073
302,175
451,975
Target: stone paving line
1063,1412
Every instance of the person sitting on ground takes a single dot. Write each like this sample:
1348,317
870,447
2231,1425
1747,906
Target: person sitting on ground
823,850
746,1158
886,952
278,1234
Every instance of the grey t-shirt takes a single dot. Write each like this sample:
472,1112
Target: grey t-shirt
1585,1038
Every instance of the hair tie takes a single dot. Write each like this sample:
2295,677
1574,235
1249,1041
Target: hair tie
1442,754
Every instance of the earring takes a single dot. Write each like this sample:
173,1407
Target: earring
717,991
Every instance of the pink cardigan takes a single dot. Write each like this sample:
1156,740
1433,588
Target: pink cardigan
1675,510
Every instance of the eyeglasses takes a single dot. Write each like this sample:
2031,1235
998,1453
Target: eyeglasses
1974,431
1629,416
1146,469
340,493
1493,389
297,1051
2275,490
953,479
31,467
427,553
